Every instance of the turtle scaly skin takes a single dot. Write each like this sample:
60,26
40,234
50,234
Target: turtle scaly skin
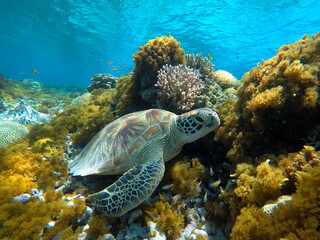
137,145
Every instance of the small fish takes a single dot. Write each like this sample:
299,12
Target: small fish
205,197
63,234
114,66
109,63
211,172
100,60
114,69
209,56
119,60
124,65
215,184
176,199
191,183
23,198
35,71
167,187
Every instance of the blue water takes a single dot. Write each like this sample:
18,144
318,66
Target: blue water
67,41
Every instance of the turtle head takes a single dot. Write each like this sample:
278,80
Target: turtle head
197,123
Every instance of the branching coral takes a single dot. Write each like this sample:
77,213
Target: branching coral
278,103
179,86
10,132
151,57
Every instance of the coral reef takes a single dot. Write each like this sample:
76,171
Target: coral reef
179,86
124,98
273,192
10,132
213,95
259,192
277,104
151,57
102,80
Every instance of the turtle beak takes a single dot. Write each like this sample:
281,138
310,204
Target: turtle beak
214,121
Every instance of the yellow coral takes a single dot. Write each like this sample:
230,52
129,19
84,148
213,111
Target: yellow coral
257,185
23,170
270,98
166,217
124,94
186,176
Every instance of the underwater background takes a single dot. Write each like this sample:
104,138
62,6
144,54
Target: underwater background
70,68
69,41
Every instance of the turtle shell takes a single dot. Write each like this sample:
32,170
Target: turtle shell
116,148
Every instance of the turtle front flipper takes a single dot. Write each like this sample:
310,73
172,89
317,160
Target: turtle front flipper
131,189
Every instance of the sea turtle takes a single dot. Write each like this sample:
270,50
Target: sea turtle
137,145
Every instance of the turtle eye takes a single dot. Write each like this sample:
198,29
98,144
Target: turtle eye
199,120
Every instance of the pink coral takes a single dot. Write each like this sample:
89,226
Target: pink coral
179,86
